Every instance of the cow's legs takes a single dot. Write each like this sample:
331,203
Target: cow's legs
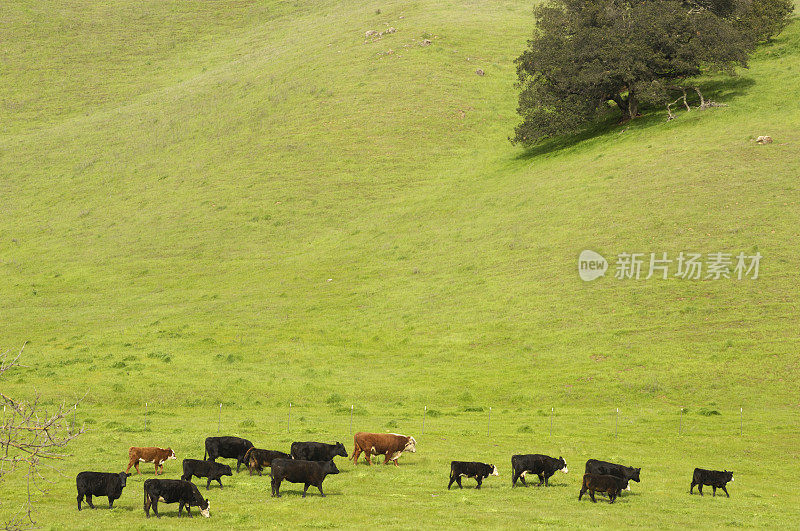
238,464
452,479
714,491
320,490
612,496
276,487
188,510
208,484
147,505
582,492
700,488
136,466
130,464
691,487
367,457
180,508
89,501
546,478
80,499
458,480
480,480
110,502
155,508
522,478
395,463
305,488
541,479
386,461
220,482
356,453
591,495
156,463
726,491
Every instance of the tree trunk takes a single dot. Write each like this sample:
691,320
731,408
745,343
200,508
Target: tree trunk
628,106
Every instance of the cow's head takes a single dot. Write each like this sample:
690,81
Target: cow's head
728,476
494,471
635,474
123,478
330,467
226,470
411,445
171,454
204,508
339,450
563,468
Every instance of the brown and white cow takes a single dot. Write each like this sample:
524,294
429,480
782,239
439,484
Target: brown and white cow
149,454
389,444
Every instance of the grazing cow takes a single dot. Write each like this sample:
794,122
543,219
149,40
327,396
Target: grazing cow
612,485
100,484
149,454
392,445
205,469
256,459
542,465
299,471
717,479
317,451
593,466
227,447
470,469
185,493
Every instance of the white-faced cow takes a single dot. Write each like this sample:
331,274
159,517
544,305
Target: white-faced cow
627,473
392,445
148,454
470,469
542,465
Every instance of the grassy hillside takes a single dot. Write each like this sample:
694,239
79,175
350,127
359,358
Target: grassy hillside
247,203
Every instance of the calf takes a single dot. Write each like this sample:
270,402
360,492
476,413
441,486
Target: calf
299,471
317,451
149,454
717,479
470,469
392,445
205,469
612,485
100,484
593,466
542,465
256,459
227,447
185,493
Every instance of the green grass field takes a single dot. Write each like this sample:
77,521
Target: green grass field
244,202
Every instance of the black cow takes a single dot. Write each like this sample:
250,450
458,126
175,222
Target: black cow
612,485
593,466
227,447
100,484
717,479
256,459
317,451
300,471
470,469
542,465
173,490
205,469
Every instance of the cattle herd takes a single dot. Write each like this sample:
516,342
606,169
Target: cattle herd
310,462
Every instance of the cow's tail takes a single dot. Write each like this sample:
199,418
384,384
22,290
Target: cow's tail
246,454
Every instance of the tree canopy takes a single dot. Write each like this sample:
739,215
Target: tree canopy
586,54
